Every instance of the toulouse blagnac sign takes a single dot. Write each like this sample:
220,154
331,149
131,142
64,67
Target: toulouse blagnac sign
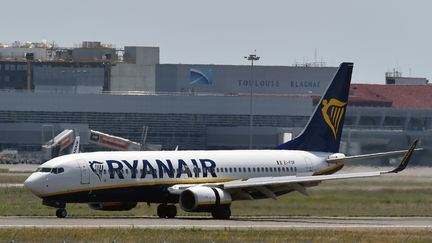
203,76
276,83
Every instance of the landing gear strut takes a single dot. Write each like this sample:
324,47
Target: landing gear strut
166,211
221,213
61,213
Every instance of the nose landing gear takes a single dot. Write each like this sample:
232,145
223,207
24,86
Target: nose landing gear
61,213
61,207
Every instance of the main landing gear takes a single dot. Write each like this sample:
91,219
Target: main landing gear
61,213
166,211
221,213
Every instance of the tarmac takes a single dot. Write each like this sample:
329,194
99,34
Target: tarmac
207,223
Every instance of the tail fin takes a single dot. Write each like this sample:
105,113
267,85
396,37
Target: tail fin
324,129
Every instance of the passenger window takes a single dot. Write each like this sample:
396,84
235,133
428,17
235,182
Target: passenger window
127,171
104,172
230,170
249,170
279,169
235,169
258,169
226,170
291,169
295,169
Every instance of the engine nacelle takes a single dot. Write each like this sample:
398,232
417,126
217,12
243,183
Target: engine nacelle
113,206
203,199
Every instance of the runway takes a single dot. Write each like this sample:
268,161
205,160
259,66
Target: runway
261,223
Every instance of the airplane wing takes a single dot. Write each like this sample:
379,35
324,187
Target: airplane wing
270,186
369,156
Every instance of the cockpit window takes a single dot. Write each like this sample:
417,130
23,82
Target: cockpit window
57,170
44,169
52,170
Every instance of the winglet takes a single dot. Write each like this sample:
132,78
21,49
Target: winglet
404,162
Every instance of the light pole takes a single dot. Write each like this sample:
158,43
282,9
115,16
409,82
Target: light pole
252,58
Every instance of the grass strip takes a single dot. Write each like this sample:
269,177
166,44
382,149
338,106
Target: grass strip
195,235
383,202
13,178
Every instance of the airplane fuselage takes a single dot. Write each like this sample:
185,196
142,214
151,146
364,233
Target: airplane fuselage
145,176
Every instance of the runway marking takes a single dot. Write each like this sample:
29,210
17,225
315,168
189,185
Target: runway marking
210,227
11,185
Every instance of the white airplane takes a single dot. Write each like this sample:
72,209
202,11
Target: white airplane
207,181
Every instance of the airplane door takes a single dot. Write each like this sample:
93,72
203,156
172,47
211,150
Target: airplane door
308,164
85,173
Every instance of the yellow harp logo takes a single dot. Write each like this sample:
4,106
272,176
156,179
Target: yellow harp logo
333,112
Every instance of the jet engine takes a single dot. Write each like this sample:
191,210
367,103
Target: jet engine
204,199
112,206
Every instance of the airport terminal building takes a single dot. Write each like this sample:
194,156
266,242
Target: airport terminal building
46,89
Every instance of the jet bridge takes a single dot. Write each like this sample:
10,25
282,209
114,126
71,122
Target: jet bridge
68,141
113,142
59,144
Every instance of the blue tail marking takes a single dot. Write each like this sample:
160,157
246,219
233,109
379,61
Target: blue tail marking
324,129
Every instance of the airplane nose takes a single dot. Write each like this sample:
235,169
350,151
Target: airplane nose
33,184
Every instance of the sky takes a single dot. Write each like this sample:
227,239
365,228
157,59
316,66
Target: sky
377,36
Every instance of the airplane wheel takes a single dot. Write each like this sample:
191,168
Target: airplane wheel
171,211
221,213
162,210
61,213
